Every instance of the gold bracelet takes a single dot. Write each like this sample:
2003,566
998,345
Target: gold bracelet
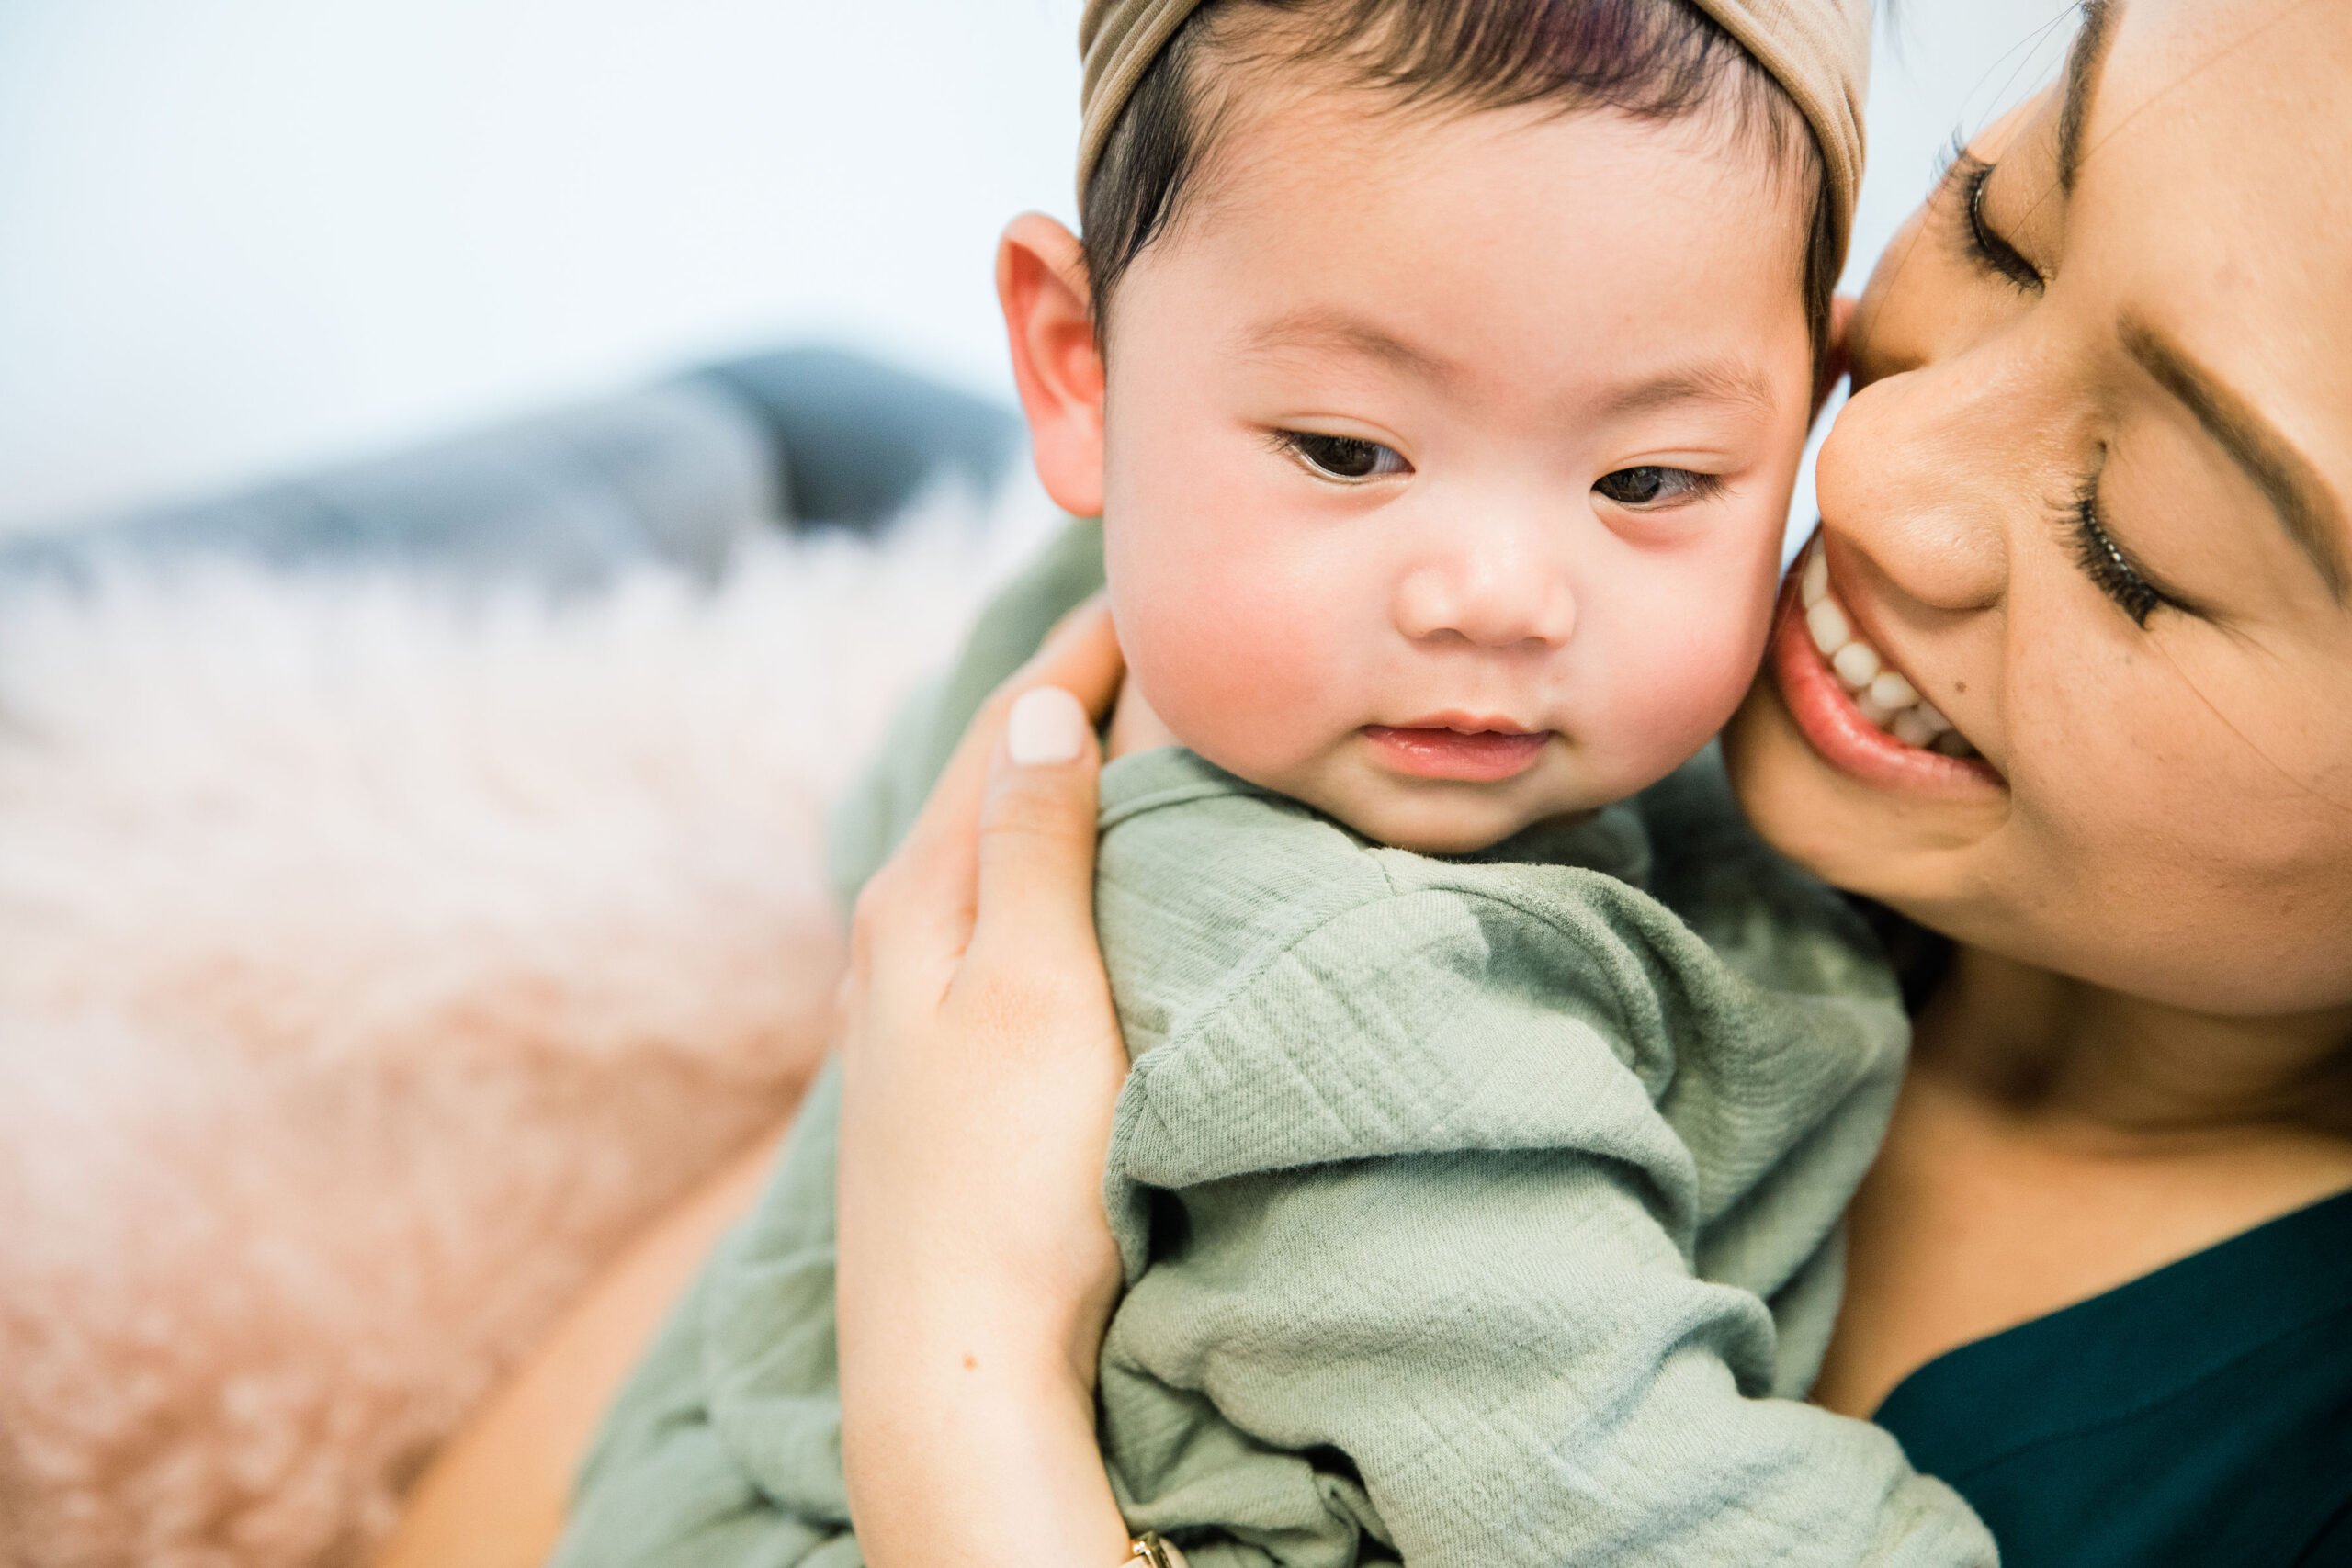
1148,1550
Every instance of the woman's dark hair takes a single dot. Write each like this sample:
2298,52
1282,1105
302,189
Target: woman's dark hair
1656,60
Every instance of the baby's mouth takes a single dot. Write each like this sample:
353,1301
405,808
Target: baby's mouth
1463,748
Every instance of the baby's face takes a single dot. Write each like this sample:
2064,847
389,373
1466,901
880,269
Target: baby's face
1447,457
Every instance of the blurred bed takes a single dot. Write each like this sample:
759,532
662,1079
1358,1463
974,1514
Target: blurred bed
409,881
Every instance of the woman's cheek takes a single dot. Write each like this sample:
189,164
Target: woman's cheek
2114,756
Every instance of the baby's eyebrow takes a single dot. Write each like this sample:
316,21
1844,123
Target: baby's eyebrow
1322,330
1711,381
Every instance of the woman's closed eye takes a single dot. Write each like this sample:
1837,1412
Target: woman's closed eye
2109,566
1651,486
1968,179
1345,459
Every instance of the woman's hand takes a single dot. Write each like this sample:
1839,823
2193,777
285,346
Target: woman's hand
981,1057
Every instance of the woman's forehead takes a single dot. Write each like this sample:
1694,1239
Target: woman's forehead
2227,117
2210,190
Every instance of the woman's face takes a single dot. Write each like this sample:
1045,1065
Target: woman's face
2090,498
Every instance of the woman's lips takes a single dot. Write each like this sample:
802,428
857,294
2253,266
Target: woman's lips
1829,716
1471,751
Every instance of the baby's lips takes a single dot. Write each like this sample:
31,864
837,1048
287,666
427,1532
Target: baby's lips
1476,756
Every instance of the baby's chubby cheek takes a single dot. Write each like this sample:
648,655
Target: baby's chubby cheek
1664,683
1246,667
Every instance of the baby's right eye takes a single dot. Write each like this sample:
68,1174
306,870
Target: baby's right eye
1347,459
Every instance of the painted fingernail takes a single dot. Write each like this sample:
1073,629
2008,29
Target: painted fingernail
1045,726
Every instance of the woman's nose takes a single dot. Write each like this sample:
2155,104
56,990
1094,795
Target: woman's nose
1920,477
1494,593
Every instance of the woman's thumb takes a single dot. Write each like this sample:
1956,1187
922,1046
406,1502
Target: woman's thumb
1036,871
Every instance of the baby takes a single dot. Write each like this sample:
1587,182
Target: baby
1439,369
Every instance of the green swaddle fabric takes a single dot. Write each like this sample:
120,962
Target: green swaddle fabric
1477,1210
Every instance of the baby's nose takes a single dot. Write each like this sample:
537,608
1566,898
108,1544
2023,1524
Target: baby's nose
1495,600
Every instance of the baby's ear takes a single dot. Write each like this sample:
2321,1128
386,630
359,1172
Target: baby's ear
1835,360
1049,322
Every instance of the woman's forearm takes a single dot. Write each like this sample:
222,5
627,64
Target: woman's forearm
963,1454
980,1059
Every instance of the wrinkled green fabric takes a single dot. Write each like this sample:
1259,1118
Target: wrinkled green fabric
1474,1210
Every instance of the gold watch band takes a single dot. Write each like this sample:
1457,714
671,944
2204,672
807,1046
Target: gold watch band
1150,1550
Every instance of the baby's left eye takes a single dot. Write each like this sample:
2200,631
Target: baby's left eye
1347,459
1650,485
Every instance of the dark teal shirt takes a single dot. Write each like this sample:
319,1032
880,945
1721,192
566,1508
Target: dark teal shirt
2199,1414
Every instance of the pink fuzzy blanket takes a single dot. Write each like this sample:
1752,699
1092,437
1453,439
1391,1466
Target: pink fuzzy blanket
371,966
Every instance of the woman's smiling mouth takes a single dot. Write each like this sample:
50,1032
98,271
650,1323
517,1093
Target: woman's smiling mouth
1863,715
1457,747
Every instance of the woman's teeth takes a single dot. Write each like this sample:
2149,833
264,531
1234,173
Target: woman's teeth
1884,697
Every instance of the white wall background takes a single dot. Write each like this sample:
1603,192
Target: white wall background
240,236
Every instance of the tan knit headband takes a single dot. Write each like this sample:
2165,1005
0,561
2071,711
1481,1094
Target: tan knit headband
1819,51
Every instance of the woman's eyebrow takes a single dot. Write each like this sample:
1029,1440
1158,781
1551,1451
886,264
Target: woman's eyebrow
2313,516
2082,62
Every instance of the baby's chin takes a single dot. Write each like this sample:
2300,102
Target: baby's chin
1441,818
1390,805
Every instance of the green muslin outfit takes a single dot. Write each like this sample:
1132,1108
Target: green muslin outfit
1474,1211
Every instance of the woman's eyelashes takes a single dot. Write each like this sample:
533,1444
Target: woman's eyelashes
2113,571
1346,459
1968,176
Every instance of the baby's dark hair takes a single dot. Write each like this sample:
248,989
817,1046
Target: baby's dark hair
1658,60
